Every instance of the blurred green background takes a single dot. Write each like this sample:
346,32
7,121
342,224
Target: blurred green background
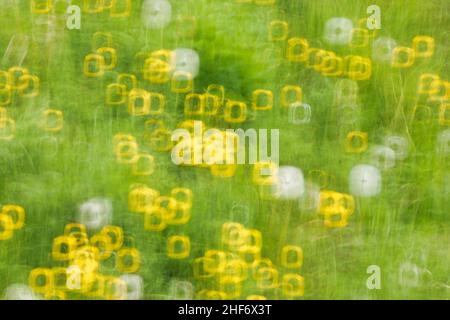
51,174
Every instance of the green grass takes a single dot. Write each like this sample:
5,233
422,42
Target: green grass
51,174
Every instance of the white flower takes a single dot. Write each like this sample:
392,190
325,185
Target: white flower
399,144
135,286
443,142
365,181
290,183
19,292
186,60
382,49
383,157
96,213
338,31
156,14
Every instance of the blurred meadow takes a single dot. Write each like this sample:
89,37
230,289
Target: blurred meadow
60,147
